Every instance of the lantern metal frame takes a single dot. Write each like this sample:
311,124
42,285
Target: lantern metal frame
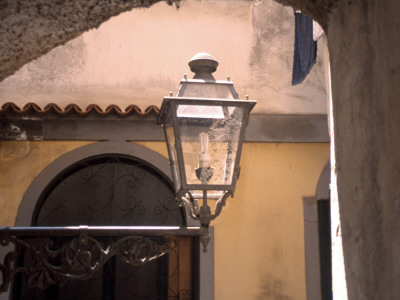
168,117
186,82
169,111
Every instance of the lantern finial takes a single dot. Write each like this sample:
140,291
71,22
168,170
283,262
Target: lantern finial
203,64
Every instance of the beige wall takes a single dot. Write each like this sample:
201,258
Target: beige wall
139,56
259,239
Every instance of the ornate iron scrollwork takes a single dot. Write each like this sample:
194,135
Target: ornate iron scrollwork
75,258
203,214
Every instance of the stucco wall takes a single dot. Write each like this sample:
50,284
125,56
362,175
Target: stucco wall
259,242
139,56
20,163
259,238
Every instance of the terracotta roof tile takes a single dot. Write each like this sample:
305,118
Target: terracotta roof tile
33,108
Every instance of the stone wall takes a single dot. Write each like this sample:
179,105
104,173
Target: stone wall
365,64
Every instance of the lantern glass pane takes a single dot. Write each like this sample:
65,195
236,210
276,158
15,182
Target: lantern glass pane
207,90
209,139
173,156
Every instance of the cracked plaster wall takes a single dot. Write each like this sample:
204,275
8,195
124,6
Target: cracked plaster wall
141,55
31,28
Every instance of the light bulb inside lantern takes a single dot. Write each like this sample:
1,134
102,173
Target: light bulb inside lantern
204,156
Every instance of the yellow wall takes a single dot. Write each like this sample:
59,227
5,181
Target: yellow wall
20,163
259,237
259,243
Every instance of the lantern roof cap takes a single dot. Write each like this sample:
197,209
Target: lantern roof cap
203,64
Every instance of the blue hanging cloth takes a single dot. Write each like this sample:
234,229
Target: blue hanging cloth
305,48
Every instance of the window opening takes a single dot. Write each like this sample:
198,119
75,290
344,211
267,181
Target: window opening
109,190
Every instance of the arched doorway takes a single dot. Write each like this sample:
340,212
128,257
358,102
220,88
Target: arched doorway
317,239
112,189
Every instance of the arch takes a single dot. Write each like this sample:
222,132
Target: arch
312,234
324,181
32,194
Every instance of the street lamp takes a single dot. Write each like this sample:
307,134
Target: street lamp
204,130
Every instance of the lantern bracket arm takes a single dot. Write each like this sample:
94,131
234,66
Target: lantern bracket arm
191,203
194,211
220,204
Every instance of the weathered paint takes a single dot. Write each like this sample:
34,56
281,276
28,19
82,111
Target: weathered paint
365,64
259,242
141,55
259,237
275,128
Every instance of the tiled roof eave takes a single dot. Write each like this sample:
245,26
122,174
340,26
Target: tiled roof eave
52,108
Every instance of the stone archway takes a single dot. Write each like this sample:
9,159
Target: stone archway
316,239
365,68
30,29
156,160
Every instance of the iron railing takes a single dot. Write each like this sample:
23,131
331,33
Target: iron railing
78,252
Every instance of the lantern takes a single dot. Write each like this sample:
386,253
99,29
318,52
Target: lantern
204,130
